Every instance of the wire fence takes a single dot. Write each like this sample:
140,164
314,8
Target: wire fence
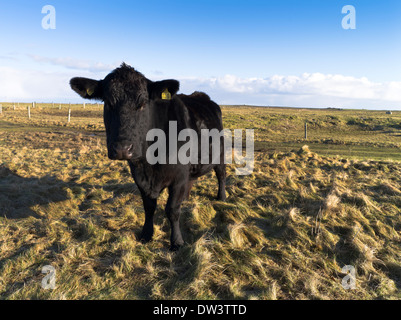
39,109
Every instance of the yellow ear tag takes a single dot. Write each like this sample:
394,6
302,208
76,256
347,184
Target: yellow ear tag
90,91
166,95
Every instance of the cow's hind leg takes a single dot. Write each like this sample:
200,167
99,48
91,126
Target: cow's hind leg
177,194
149,205
220,170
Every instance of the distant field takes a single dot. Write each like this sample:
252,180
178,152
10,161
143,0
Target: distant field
355,134
285,231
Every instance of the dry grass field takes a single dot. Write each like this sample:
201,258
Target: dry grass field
286,231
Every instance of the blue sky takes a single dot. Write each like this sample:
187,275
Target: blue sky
270,52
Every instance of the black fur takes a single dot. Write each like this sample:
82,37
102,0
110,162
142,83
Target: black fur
133,106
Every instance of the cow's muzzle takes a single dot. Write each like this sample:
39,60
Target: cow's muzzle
120,151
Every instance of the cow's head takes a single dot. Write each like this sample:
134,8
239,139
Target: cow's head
127,96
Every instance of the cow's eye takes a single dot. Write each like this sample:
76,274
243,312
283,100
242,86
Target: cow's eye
140,102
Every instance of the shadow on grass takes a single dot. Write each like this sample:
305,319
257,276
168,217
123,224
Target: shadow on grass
19,194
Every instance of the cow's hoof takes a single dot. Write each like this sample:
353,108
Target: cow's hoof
175,247
145,238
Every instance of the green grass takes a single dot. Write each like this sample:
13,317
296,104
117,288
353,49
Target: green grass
347,151
285,231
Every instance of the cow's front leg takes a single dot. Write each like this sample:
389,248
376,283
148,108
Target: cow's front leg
173,211
220,170
149,205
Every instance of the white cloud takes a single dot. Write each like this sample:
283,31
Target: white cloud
309,89
306,90
46,83
70,63
30,85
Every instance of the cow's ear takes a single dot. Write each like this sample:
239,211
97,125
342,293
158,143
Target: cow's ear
164,89
87,88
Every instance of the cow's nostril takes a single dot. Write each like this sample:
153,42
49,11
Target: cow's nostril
119,152
130,149
128,152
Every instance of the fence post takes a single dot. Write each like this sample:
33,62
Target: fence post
29,111
59,107
84,105
69,113
14,106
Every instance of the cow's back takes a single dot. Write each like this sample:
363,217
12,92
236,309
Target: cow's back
204,113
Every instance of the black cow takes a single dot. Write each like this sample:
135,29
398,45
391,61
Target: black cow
133,105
